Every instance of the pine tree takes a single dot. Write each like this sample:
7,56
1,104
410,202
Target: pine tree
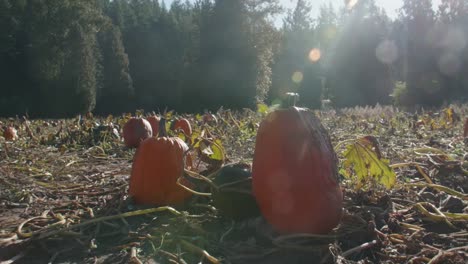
117,93
358,76
451,48
422,76
62,57
234,62
294,71
227,58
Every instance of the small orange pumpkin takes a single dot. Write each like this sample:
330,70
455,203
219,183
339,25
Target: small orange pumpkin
158,163
136,130
294,173
10,133
154,122
184,125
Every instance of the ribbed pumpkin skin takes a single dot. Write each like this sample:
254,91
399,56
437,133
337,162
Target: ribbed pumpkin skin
295,175
157,165
183,124
154,122
135,131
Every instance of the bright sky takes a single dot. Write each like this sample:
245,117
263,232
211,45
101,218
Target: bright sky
390,6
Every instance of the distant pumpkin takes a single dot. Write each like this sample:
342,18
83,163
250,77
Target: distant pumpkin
158,163
154,122
10,133
136,130
184,125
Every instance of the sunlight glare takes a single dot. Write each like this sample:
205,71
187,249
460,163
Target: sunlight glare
297,77
387,52
280,186
330,32
351,3
449,63
454,40
314,55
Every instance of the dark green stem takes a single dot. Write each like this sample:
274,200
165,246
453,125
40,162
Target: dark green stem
292,99
162,127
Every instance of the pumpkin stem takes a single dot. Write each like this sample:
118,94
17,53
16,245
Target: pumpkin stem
292,99
162,127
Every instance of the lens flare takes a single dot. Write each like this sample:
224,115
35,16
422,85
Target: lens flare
314,55
350,3
387,52
297,77
449,64
330,32
455,40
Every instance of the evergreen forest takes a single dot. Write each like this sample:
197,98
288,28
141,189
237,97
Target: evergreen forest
59,58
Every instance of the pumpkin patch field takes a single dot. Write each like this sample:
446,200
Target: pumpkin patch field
358,185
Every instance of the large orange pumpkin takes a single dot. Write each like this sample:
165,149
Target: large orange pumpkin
136,130
294,173
157,165
184,125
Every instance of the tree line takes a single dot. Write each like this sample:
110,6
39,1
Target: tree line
63,57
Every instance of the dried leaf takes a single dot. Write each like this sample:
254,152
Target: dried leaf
449,115
465,129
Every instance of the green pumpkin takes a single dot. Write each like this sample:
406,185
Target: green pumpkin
233,195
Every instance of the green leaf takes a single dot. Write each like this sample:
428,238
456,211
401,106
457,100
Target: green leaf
362,156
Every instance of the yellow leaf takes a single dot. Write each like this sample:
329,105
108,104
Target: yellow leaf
194,138
168,125
109,119
139,112
449,115
169,115
181,136
362,156
262,108
218,150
